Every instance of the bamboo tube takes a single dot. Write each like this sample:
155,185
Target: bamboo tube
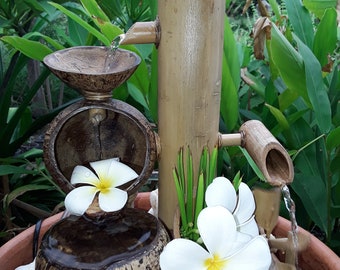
142,33
189,82
230,139
269,155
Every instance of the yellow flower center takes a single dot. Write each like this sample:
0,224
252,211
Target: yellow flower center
104,185
215,263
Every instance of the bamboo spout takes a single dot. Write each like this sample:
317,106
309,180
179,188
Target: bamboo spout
142,33
269,155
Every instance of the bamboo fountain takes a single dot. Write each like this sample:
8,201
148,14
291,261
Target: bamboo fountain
189,36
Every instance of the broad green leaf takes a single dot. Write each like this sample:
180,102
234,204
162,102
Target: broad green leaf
317,91
301,21
230,78
11,169
279,116
94,10
254,82
312,191
137,95
49,40
23,189
289,63
326,36
333,139
318,7
82,23
32,49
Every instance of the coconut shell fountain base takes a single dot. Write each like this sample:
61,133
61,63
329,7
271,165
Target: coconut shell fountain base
130,238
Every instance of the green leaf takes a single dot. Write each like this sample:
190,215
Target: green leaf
82,23
318,7
137,95
312,191
301,21
253,164
289,63
32,49
326,36
51,41
279,116
333,139
34,5
23,189
317,91
11,169
230,78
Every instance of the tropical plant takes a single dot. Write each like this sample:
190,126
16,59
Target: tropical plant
293,88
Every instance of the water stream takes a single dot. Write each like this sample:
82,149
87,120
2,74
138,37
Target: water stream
290,205
111,52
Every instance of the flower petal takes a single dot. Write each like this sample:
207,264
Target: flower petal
246,204
79,199
183,254
83,175
255,255
221,192
115,170
249,227
30,266
112,200
217,228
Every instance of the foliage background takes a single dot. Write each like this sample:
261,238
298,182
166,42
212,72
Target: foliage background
280,66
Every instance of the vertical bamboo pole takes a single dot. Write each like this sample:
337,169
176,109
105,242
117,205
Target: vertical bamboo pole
189,82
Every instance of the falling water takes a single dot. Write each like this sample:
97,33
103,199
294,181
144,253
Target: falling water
112,51
290,205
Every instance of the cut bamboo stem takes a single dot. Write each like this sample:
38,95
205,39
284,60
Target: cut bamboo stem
269,155
189,83
230,139
142,33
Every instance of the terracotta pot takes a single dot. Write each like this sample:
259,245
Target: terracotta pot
18,251
317,256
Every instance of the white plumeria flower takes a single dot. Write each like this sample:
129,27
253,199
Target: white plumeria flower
227,249
222,192
110,174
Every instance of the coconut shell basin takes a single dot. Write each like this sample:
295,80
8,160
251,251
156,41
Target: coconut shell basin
92,70
130,239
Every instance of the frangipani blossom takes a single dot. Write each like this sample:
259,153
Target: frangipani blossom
242,205
110,173
227,249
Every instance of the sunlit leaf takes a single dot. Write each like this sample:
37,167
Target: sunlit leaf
82,23
279,116
289,63
318,7
32,49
